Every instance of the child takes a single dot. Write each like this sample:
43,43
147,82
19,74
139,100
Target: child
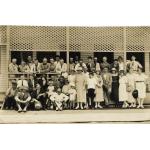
58,98
65,90
123,94
72,96
91,85
99,91
50,91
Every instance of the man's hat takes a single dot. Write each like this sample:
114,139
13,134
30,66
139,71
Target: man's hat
113,69
13,82
23,88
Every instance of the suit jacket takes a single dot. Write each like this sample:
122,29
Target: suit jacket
22,83
90,66
103,65
32,84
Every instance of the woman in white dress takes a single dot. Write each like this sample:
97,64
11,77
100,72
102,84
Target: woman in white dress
123,94
80,83
131,86
98,91
140,85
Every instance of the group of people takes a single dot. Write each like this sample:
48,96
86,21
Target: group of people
79,85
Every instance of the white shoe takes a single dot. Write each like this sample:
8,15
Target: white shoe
77,107
142,106
82,107
138,106
134,105
96,106
99,106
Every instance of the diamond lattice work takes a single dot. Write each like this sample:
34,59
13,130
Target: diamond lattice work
138,39
106,39
3,38
37,38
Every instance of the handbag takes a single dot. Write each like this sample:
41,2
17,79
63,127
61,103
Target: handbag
135,93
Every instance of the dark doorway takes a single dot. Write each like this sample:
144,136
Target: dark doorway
100,55
74,55
48,55
140,57
21,56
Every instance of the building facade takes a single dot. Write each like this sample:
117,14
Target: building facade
44,41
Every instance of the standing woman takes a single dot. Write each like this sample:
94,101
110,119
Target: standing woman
115,87
98,90
140,85
131,86
123,94
80,83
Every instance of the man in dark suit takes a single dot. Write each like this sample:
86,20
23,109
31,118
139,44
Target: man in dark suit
90,65
32,83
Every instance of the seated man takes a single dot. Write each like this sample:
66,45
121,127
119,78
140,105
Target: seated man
58,98
13,67
44,67
23,99
10,102
24,68
52,65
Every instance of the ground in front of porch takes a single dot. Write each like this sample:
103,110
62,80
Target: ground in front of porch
78,116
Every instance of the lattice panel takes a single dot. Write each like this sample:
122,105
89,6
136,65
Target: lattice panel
138,39
37,38
106,39
3,38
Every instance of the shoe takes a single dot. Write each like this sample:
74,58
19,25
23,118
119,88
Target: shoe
100,107
134,105
142,106
24,110
82,107
77,107
138,106
96,107
19,110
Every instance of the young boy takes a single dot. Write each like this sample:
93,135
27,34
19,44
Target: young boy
91,85
72,96
58,98
50,91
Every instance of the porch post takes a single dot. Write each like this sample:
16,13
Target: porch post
124,45
67,46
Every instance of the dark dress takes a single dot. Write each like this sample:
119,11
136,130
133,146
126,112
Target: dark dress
115,89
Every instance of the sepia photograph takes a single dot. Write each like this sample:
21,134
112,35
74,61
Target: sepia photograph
74,74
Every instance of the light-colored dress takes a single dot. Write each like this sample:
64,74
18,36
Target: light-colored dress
72,94
140,85
123,94
71,79
99,90
131,86
80,83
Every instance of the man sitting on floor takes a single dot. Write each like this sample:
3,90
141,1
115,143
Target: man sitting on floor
10,102
22,99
